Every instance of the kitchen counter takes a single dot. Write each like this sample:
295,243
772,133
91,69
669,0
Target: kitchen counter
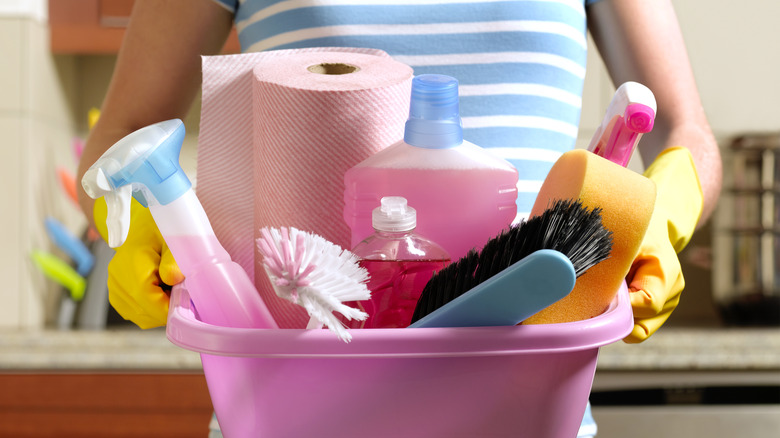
671,349
697,349
677,357
684,382
126,349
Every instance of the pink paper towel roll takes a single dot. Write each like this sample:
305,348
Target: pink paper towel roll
313,114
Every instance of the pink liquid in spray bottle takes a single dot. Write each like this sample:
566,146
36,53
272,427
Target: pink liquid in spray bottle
145,165
463,194
400,263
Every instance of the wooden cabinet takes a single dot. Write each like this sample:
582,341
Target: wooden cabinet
104,405
96,26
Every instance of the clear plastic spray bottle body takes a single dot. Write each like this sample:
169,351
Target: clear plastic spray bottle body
145,165
207,267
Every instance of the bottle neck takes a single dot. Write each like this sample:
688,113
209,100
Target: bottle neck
393,234
431,135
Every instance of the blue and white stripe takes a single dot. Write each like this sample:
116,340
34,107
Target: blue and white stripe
520,63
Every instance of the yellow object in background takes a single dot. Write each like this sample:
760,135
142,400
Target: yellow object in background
140,269
92,117
655,280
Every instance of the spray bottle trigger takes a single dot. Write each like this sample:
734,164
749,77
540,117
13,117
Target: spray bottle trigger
118,215
97,184
141,198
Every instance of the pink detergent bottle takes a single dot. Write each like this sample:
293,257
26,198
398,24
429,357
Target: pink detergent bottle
463,194
399,261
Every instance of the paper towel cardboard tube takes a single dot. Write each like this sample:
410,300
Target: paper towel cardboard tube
333,68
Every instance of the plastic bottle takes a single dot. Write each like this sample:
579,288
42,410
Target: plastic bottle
463,194
145,165
400,263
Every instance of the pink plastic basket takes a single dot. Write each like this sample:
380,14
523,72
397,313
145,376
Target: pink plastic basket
523,381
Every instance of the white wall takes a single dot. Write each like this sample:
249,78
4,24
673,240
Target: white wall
35,133
734,50
32,9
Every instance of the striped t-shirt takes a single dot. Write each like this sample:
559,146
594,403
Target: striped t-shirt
520,63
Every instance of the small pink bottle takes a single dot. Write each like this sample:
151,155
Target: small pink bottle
463,194
400,263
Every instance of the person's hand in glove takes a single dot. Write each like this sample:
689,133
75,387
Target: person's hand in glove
655,280
141,271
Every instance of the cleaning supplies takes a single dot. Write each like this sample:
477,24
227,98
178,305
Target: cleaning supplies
463,195
60,271
598,177
630,113
277,132
657,280
68,184
400,263
519,272
145,164
314,273
627,200
71,245
510,296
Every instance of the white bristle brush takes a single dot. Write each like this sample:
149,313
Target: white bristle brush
316,274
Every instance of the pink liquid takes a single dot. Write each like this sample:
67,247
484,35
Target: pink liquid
395,288
221,290
459,209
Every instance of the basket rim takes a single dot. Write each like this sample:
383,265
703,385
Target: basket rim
186,331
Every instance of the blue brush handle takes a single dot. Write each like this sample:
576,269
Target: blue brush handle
71,245
511,296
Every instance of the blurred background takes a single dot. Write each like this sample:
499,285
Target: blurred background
713,370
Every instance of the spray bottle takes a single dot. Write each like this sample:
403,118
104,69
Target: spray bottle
630,113
145,165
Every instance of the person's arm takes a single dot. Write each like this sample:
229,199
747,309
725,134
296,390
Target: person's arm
640,41
158,71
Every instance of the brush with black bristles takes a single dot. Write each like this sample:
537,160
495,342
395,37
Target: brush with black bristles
524,269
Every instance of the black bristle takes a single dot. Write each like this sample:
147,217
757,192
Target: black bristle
443,285
576,232
567,226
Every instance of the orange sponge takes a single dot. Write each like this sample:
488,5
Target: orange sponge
627,200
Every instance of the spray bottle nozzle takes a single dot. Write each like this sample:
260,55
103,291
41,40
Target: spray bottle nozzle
630,114
434,114
143,164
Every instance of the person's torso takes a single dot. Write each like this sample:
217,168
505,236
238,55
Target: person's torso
520,64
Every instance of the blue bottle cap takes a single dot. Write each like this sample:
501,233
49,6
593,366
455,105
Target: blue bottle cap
434,116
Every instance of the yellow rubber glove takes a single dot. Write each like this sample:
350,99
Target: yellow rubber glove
141,270
655,279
